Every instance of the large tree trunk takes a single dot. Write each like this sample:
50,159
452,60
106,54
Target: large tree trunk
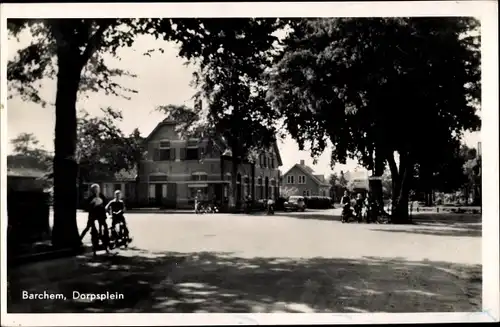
400,214
65,230
401,182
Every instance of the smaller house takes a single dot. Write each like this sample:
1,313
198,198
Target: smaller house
26,179
301,180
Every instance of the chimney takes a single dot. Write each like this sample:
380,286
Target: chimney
302,163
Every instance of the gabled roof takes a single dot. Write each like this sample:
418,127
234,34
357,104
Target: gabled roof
165,122
309,172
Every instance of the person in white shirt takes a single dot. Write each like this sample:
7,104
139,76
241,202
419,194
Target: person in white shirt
270,206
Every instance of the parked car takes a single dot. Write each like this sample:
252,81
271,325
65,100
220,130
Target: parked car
295,203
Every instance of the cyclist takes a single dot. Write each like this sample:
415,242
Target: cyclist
358,207
117,208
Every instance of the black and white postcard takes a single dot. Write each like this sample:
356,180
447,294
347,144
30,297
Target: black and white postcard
249,163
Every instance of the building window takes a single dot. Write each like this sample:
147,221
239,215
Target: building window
164,152
263,161
260,188
301,179
192,150
272,163
164,190
272,189
246,186
152,190
290,179
228,176
306,193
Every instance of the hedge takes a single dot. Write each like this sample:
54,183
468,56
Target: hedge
318,202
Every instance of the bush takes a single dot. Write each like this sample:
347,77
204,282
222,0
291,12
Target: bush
318,202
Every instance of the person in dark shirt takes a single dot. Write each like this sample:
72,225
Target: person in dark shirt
346,206
117,208
360,202
96,207
346,200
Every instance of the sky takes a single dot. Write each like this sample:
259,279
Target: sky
161,79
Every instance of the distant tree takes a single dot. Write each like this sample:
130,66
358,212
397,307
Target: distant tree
472,172
28,153
381,89
339,184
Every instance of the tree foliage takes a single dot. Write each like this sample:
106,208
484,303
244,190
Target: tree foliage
27,153
232,55
103,149
376,87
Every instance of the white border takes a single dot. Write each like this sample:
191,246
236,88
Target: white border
487,11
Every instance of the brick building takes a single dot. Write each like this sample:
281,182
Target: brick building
175,169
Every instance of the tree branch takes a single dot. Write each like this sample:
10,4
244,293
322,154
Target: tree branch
94,41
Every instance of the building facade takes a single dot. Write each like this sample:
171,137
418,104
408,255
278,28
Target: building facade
301,180
175,169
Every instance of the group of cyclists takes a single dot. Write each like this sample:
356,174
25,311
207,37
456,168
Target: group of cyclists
98,209
361,208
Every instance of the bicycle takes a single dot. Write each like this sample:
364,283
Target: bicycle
119,237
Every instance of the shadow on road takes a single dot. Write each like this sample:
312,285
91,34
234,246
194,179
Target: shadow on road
447,219
459,225
469,231
314,215
219,282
